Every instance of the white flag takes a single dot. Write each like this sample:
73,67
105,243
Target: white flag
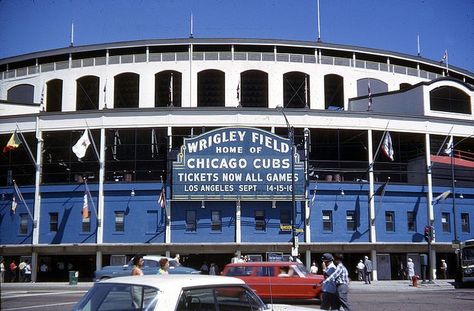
81,146
387,146
449,146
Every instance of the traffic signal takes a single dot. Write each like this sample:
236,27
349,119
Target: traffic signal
427,233
432,233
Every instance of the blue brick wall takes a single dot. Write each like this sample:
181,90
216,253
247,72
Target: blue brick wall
203,231
144,219
10,222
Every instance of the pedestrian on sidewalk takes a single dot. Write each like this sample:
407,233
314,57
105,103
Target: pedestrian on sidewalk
341,277
367,270
360,270
329,299
444,269
13,268
27,271
2,270
411,273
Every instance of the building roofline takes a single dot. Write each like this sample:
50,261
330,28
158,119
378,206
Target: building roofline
230,41
422,83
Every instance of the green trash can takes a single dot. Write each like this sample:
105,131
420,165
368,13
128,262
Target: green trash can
73,276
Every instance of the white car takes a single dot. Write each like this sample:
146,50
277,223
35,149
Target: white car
175,293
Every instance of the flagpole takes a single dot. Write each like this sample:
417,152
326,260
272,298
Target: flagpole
30,154
319,23
93,141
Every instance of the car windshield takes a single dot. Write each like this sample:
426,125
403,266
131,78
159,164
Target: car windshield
301,270
468,256
223,298
123,297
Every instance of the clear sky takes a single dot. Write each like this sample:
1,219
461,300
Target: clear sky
36,25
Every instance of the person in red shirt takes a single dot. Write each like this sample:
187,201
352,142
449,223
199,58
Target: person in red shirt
13,268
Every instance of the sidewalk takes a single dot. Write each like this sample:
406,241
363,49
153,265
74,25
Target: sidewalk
396,285
401,285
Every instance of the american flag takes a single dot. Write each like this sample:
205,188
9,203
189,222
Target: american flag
387,146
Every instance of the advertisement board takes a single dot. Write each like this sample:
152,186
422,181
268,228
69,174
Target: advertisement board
237,163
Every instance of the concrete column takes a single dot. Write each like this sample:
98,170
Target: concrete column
238,232
100,207
373,256
98,260
168,205
37,204
373,237
308,258
34,266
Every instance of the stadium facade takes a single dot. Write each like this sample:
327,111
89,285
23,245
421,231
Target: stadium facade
191,144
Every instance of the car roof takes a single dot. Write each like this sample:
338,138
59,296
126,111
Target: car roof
171,282
264,263
156,257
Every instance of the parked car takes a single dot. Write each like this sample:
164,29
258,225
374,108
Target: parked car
175,293
277,280
150,266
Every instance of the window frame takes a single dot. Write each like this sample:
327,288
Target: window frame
23,227
465,223
53,222
119,222
389,221
216,223
446,222
327,224
191,222
411,219
351,224
260,220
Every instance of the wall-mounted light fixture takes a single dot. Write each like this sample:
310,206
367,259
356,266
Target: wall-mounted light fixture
342,192
274,204
132,193
203,205
461,196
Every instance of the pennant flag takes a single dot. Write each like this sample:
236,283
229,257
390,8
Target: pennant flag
449,146
13,143
369,107
162,198
117,142
154,144
381,190
441,197
85,207
14,204
238,92
82,144
313,198
387,146
171,90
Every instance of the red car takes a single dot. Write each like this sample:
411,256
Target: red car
277,280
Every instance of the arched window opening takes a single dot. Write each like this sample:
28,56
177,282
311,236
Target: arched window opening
296,90
404,86
253,89
23,93
333,91
54,97
450,99
376,86
168,89
126,90
211,88
87,93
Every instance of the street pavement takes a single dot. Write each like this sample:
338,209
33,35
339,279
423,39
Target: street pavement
380,295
